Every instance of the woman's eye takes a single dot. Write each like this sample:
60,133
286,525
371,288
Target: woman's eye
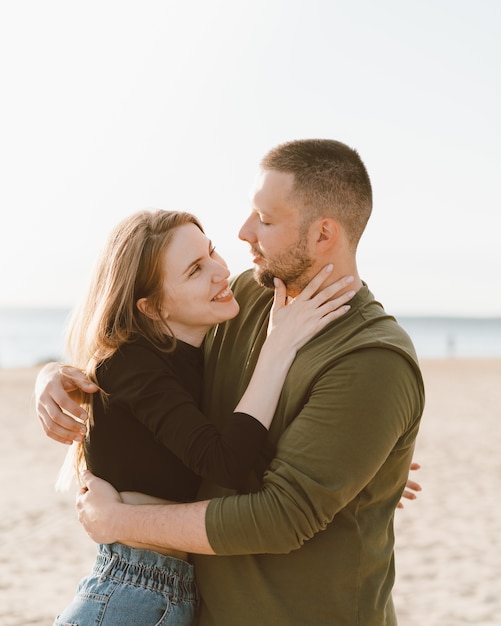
212,250
196,269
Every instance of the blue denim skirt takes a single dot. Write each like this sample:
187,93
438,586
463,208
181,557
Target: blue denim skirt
135,588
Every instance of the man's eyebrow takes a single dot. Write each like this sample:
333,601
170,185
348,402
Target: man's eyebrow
260,211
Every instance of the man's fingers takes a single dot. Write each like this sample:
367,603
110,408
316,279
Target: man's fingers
409,495
63,409
87,479
59,426
58,434
57,423
72,378
413,485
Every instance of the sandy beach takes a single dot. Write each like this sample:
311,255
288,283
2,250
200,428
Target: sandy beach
448,552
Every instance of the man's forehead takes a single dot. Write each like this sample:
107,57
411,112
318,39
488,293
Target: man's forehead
275,178
273,190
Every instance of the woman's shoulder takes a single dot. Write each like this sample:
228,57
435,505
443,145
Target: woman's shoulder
135,355
139,345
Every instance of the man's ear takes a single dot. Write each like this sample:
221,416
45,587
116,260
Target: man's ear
144,305
328,231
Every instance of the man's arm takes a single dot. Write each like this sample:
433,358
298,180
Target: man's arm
350,446
302,493
107,519
62,418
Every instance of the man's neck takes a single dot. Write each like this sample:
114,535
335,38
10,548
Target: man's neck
339,271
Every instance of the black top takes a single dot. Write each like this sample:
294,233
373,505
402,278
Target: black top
150,435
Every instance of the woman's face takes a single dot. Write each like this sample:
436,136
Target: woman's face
197,294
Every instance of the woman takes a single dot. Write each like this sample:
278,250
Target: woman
158,287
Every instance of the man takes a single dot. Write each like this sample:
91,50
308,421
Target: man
311,541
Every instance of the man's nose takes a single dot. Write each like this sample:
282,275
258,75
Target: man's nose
245,233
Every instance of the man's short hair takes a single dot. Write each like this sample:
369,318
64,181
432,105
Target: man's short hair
330,180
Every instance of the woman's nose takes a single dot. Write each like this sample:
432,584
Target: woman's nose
221,271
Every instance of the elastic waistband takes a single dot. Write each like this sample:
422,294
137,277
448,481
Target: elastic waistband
146,568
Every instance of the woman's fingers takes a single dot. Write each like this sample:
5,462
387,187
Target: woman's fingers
280,294
334,307
315,283
318,295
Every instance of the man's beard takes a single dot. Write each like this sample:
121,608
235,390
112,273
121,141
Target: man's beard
290,266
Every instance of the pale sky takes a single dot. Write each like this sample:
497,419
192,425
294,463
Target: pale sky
109,107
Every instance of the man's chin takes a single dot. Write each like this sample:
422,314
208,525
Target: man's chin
264,278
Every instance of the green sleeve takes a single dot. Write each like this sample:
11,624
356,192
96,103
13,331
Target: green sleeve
352,439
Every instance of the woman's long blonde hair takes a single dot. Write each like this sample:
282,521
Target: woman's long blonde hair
129,267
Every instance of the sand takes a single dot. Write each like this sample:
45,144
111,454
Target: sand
448,553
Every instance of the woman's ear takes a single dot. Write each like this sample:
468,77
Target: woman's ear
144,305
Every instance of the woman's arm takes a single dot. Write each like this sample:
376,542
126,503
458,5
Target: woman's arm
141,385
291,327
138,378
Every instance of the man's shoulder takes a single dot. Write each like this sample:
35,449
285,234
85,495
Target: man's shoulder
245,280
366,326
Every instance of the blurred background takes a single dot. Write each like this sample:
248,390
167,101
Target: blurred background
113,106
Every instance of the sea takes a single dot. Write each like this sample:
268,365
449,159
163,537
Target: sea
30,337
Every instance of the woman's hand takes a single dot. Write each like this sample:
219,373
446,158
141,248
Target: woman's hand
295,323
62,418
290,327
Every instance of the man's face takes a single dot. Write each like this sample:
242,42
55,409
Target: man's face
273,230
